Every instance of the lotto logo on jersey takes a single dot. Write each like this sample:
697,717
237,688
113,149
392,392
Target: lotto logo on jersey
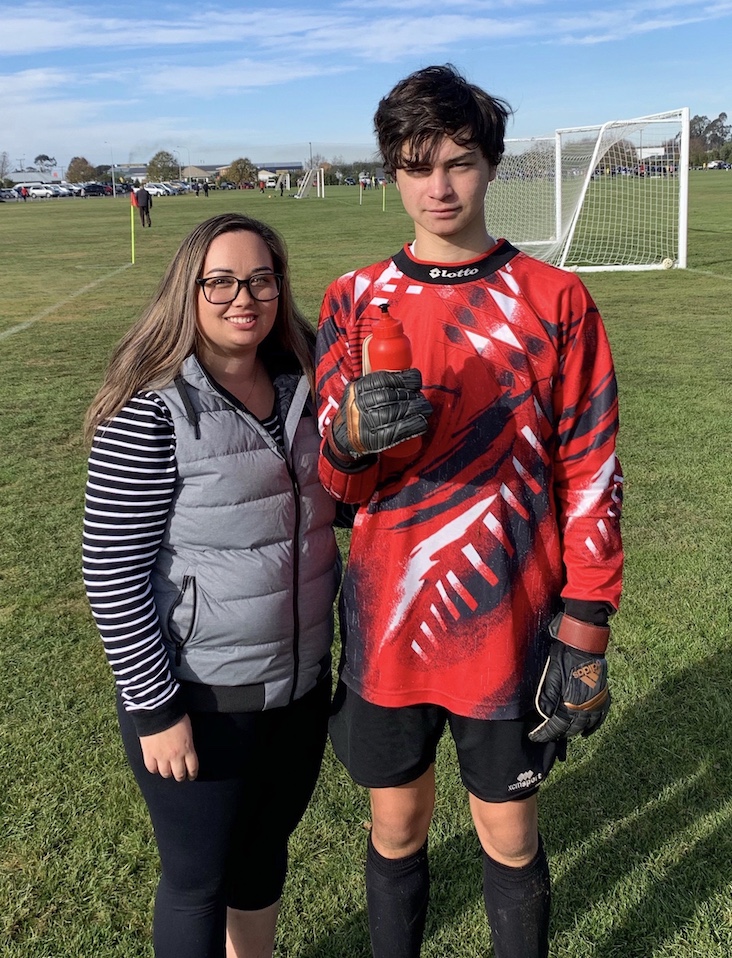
437,273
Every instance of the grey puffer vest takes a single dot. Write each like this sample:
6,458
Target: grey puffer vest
248,569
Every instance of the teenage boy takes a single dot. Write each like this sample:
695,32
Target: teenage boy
483,570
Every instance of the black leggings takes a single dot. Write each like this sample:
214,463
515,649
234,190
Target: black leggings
222,839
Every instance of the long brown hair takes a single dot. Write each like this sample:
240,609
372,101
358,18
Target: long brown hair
152,352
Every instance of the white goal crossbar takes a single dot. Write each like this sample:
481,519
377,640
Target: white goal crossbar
610,196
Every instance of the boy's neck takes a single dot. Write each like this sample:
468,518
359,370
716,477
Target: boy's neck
431,248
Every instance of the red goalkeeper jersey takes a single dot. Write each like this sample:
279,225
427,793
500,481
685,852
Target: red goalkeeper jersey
459,559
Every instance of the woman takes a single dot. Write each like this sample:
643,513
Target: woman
211,567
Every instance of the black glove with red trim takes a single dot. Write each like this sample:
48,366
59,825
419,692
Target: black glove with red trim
573,696
378,411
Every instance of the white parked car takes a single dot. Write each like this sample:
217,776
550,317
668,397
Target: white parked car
156,189
40,190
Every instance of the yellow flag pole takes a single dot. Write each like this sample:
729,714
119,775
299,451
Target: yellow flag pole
132,231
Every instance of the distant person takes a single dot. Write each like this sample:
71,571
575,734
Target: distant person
24,194
282,187
197,189
211,566
484,567
205,187
144,205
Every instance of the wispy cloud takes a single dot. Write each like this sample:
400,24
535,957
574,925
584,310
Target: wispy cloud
382,30
73,73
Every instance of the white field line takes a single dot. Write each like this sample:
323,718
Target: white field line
706,272
63,302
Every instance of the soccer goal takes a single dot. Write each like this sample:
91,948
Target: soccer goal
312,178
611,196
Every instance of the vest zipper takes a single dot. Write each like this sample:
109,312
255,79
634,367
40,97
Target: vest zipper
189,581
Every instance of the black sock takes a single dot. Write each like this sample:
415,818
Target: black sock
517,902
397,893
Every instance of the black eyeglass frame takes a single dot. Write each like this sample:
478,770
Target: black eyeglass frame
203,283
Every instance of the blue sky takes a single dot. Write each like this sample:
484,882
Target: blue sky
212,81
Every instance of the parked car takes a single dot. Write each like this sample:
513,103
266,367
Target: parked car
94,189
156,189
40,191
349,181
8,196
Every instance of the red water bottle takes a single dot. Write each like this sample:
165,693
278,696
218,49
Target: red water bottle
388,348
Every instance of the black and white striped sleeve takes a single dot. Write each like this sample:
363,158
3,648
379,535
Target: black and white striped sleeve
132,473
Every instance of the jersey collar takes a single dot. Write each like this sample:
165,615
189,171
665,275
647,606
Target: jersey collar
453,274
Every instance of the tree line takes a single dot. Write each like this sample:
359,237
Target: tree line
164,166
708,140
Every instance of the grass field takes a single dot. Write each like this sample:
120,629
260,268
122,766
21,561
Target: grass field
638,821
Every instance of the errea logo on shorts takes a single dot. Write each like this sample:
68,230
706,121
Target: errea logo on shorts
437,273
527,779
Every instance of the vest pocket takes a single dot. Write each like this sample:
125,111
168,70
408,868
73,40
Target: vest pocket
182,615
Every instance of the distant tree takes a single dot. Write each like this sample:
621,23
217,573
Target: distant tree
697,126
709,139
102,172
318,161
163,166
79,170
45,163
241,171
717,132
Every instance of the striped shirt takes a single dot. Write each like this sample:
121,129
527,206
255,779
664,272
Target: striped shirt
129,491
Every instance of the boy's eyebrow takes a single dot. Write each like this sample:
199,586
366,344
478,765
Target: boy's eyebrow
427,160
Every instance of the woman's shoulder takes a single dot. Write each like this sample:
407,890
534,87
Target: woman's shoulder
144,416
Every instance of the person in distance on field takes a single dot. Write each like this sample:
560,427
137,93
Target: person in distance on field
483,569
144,204
211,567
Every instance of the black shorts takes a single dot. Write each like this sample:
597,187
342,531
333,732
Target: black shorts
385,747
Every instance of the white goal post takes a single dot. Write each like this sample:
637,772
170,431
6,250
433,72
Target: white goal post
605,197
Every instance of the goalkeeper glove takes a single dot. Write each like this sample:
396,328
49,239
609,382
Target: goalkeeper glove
573,695
378,411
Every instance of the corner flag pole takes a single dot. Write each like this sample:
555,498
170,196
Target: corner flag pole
133,206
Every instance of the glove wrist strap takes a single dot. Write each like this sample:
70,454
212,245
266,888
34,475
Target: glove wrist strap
581,635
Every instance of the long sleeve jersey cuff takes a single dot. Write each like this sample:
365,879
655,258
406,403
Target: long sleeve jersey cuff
349,466
596,613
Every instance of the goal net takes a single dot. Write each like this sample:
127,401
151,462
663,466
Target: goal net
611,196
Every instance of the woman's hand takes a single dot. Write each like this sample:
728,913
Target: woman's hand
171,753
